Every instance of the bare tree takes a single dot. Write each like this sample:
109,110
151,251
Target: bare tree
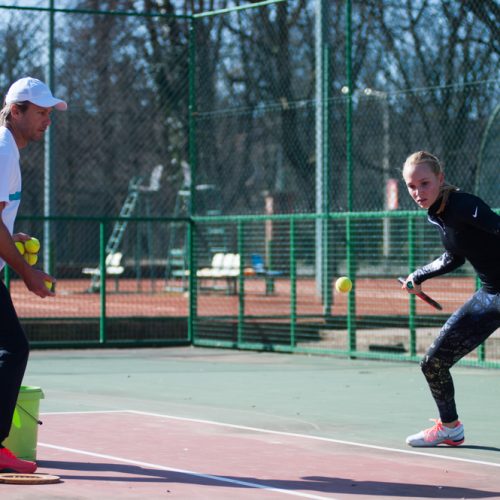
440,49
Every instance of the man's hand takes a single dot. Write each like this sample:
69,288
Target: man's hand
35,279
21,237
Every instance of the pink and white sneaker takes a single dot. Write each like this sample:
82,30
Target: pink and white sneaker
438,434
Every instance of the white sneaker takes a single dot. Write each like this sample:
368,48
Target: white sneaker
438,434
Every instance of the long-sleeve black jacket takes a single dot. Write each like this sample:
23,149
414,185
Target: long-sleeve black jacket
470,230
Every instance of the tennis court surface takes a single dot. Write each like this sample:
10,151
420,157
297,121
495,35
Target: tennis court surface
209,423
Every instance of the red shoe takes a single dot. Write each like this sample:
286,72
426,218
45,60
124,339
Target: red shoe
9,461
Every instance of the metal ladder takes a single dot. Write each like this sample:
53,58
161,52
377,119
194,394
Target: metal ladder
116,236
126,211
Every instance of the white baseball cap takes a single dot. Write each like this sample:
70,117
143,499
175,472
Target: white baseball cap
35,91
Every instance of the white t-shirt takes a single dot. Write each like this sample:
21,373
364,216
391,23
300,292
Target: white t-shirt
10,179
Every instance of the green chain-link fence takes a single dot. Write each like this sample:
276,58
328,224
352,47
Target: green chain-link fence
397,77
264,294
284,308
247,111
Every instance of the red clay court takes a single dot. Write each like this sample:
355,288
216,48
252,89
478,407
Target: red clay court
147,298
196,423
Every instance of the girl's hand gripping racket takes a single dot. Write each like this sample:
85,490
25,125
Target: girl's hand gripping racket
423,296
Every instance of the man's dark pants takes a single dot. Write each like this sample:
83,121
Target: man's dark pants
14,352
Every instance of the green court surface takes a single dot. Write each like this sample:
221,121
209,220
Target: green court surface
367,402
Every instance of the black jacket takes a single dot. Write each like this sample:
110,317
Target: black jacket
470,230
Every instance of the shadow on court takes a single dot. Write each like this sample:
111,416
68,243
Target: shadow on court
319,484
478,447
221,424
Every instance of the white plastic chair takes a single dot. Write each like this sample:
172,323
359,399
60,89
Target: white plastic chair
113,268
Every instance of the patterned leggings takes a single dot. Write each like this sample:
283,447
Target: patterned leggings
14,351
466,329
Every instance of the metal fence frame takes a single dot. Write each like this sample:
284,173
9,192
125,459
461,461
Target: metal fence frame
193,221
194,224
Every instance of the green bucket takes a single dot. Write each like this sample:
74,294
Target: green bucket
22,440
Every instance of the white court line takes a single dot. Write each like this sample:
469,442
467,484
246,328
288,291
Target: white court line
292,434
184,471
82,412
317,438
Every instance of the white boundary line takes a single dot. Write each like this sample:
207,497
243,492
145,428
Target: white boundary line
82,412
222,479
291,434
317,438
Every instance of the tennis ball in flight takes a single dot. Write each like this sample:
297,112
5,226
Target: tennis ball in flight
20,247
343,284
31,258
32,245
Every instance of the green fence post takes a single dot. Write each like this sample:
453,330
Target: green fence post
192,146
351,299
192,110
269,251
350,90
241,283
411,268
293,285
138,257
48,180
351,312
102,267
192,283
327,292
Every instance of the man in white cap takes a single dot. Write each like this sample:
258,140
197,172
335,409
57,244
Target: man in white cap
24,118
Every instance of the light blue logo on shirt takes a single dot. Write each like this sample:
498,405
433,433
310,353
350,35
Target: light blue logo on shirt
15,196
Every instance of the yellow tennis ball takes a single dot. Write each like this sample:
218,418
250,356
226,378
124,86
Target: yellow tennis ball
343,284
31,258
32,245
48,284
20,247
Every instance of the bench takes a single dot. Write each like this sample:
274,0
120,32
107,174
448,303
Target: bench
224,266
113,268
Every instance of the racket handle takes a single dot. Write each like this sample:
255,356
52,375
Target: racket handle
422,295
402,281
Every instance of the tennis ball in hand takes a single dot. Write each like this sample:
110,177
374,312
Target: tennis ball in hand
31,258
20,247
343,284
48,284
32,245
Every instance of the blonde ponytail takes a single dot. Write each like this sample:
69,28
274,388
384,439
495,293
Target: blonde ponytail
444,192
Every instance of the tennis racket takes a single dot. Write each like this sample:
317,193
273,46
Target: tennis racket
423,296
18,478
